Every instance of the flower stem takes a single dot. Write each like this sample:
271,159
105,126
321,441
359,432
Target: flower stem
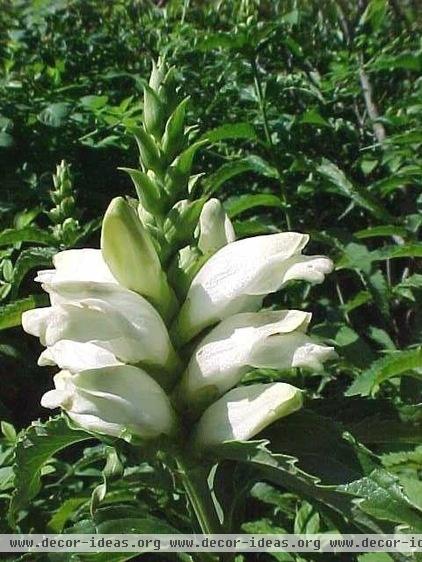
262,103
194,480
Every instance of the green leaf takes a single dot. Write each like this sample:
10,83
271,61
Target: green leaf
253,227
283,471
395,252
94,103
6,140
30,259
240,203
34,448
224,173
307,520
261,166
353,192
382,338
385,499
379,290
395,364
382,230
11,314
406,61
358,300
230,131
55,115
221,40
251,163
313,117
27,234
64,512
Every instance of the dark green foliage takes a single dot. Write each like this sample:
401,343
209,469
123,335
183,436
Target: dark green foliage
307,117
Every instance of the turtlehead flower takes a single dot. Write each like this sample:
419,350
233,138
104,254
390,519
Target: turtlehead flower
243,412
90,307
124,344
240,275
119,401
271,339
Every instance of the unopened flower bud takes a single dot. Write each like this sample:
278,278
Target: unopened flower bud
130,254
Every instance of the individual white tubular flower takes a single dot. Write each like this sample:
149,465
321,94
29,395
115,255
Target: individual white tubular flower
130,254
241,274
270,339
245,411
75,356
215,228
133,333
118,401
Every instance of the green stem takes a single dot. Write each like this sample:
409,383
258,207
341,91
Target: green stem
263,109
194,480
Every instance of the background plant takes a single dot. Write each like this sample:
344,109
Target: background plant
324,99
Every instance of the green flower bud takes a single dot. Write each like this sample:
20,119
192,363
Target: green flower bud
130,254
148,150
153,113
174,138
148,191
181,222
158,74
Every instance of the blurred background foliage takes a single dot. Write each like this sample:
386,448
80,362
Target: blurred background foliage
318,105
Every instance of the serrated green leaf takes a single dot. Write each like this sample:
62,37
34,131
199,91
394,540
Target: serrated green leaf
395,364
385,499
283,471
27,260
11,314
27,234
34,448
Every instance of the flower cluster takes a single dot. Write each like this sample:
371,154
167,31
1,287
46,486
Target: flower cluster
154,332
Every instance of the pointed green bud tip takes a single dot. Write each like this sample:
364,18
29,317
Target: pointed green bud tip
130,254
153,113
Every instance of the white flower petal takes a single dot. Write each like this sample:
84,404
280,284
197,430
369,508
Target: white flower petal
291,350
243,412
232,347
35,322
114,401
76,356
240,275
78,265
143,340
215,227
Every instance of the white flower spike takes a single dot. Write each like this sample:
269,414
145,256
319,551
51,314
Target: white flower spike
122,373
